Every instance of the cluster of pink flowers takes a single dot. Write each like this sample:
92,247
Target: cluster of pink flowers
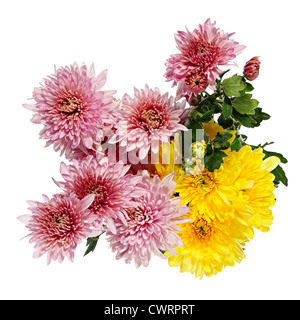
79,118
137,211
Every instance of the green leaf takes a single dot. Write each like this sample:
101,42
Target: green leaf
194,114
280,175
244,104
226,109
249,87
259,116
205,117
244,137
276,154
233,85
218,81
244,120
91,244
221,145
214,160
223,73
235,144
224,135
209,148
225,123
201,117
221,141
192,124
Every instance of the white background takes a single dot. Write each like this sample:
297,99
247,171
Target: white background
133,39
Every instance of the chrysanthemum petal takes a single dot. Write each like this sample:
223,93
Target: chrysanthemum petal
270,163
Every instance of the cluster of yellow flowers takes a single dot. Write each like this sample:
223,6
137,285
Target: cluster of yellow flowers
225,206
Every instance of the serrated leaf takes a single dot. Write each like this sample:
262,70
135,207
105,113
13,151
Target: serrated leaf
226,109
244,104
214,160
233,85
244,120
259,116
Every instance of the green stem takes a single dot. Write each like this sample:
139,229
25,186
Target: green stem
266,144
242,142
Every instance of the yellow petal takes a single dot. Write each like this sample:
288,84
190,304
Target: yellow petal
244,184
270,163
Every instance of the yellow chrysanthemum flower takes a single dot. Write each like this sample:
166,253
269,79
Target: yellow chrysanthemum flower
207,192
225,206
208,246
242,187
254,184
212,128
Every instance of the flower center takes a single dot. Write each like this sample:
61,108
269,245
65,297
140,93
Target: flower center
84,187
59,224
100,195
203,184
136,216
201,47
151,118
202,53
69,104
58,220
203,228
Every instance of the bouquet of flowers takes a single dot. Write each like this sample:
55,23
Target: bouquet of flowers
157,174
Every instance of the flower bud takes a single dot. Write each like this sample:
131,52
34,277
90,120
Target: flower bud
251,69
196,81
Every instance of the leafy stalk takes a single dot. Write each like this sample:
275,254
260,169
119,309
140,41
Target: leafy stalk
237,108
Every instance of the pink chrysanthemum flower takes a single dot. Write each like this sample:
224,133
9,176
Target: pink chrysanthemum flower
112,188
152,225
201,52
58,225
75,111
148,119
